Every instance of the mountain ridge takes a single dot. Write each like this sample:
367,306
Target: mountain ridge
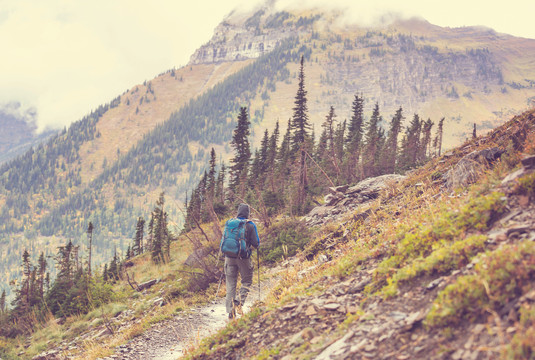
335,68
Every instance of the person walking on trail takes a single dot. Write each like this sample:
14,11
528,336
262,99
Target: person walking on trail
244,234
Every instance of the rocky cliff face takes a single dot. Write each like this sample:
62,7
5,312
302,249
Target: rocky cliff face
467,75
241,37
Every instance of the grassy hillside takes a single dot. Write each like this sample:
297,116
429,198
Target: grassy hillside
423,271
110,167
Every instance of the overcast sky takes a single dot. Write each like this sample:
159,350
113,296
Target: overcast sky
66,57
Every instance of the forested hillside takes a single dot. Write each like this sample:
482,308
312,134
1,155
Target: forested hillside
110,167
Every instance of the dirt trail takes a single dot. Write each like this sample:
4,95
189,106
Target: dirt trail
168,340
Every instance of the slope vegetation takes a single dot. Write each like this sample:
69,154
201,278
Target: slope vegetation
437,266
427,271
110,167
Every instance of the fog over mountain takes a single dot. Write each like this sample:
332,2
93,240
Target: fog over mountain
63,62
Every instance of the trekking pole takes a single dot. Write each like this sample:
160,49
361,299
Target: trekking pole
258,259
220,277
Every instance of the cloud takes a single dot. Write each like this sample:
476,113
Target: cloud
19,111
67,57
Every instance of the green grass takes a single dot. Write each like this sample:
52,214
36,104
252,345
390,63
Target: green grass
522,346
441,244
500,276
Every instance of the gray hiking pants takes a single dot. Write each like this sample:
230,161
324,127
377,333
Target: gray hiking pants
232,267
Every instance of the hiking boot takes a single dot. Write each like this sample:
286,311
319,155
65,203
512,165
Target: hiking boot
237,307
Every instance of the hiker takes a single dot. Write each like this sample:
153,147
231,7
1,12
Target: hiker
240,262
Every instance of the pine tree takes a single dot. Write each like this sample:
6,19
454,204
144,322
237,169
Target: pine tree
371,151
58,294
240,162
438,137
220,186
354,138
42,273
137,247
272,156
300,124
211,180
161,240
410,145
328,133
474,132
3,302
425,143
391,146
322,151
338,146
300,127
150,241
105,276
256,170
113,269
283,156
26,271
90,238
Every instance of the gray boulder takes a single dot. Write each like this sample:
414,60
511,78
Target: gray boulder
344,198
467,170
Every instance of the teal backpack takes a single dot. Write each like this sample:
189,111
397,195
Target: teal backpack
233,241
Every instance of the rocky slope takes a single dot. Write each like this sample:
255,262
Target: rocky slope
382,278
339,305
467,75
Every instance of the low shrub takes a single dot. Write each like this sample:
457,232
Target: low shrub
522,345
284,239
500,276
426,240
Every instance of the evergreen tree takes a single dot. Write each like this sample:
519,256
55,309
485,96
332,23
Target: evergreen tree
272,156
338,146
150,241
260,163
161,240
42,273
90,238
370,156
391,146
240,162
26,271
438,137
474,132
300,127
211,180
322,151
105,273
3,306
137,248
283,156
256,170
300,124
410,145
328,134
425,143
354,138
58,294
113,269
220,187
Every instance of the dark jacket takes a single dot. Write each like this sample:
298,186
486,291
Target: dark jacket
251,233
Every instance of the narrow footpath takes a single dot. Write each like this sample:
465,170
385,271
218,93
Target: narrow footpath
170,339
